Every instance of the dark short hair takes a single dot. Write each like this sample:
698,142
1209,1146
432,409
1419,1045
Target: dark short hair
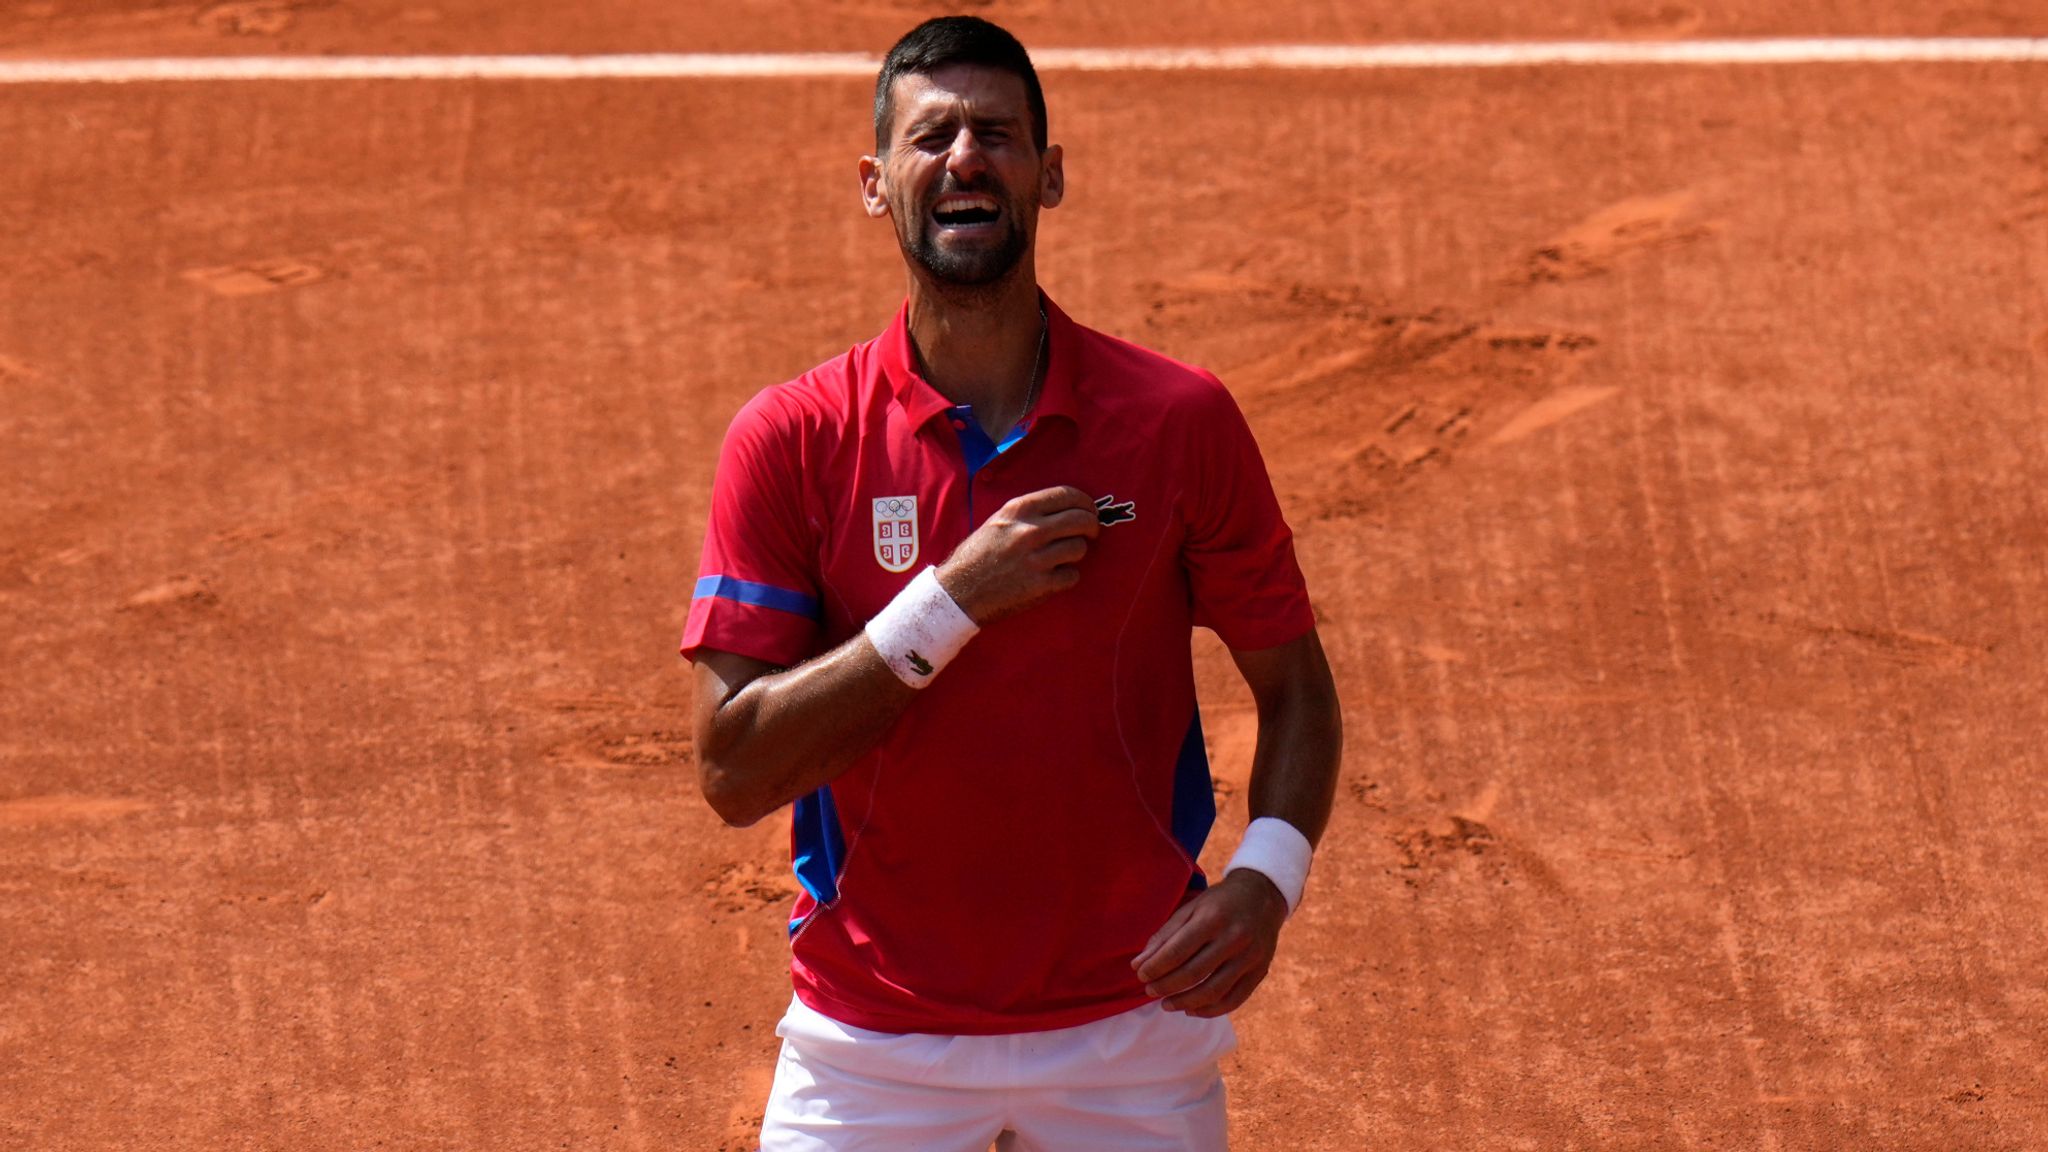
947,40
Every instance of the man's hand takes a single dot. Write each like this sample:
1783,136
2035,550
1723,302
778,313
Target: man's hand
1211,953
1024,553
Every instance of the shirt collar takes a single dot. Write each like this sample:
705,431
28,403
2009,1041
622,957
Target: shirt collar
921,402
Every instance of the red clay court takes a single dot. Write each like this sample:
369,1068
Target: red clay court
1665,443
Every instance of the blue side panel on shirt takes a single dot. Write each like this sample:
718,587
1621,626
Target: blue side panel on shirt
819,848
760,595
1194,797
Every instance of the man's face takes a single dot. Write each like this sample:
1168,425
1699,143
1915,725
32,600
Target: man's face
961,175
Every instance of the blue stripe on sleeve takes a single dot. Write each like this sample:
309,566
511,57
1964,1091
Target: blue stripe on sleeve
759,595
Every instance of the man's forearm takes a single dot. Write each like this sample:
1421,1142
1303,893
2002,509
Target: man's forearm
1215,949
1294,770
1301,734
766,738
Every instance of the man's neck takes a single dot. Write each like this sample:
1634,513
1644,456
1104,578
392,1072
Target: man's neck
980,346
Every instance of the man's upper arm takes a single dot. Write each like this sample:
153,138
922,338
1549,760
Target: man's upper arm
757,588
1242,573
721,675
1294,669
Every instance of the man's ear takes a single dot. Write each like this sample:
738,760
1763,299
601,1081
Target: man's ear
873,196
1052,178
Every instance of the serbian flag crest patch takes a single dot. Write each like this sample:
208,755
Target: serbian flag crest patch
896,532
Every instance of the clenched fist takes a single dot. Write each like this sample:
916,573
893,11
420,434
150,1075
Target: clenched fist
1027,551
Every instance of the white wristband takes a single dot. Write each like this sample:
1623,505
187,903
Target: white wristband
1278,851
921,630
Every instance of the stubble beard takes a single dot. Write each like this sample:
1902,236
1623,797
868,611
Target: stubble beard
976,267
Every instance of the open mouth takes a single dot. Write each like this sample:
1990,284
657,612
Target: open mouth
966,211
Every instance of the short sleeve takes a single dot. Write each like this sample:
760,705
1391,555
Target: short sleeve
757,586
1239,553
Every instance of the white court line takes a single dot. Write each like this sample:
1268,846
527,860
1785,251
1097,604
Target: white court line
1280,57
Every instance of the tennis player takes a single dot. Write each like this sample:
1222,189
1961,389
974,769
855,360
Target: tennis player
944,616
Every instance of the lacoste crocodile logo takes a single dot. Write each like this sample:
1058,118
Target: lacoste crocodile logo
919,664
1108,511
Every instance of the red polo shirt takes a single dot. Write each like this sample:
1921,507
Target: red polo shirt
995,863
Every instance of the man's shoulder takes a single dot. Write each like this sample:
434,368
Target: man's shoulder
1099,349
820,398
1118,369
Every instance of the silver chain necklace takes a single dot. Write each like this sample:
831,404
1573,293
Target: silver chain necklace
1037,359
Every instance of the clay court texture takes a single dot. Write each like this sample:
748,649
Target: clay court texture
1665,442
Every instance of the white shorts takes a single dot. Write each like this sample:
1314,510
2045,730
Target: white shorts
1142,1081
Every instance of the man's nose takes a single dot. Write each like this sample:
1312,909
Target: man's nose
965,159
